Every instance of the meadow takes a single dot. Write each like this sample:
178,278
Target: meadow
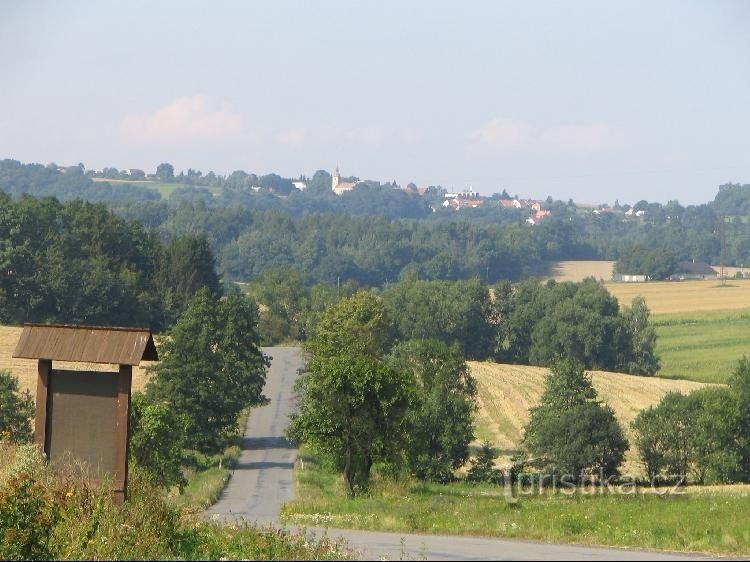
659,520
164,188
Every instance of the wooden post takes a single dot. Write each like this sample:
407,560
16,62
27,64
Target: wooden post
44,368
123,415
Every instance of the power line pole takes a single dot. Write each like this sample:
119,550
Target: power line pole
723,237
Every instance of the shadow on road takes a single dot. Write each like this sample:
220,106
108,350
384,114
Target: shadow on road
267,443
262,464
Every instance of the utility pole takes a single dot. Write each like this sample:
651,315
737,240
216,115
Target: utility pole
723,238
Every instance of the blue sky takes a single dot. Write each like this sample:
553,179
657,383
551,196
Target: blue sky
591,100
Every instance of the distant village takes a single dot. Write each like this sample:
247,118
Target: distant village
439,197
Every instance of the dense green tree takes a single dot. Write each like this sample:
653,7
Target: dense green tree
440,417
570,432
352,410
187,265
656,263
641,358
16,410
358,325
211,367
586,327
455,313
691,437
740,385
165,172
157,437
281,292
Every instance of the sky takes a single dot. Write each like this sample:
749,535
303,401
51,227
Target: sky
589,100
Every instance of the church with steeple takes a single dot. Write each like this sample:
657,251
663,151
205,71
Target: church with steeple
338,186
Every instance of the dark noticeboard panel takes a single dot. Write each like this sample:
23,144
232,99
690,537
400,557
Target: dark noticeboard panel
82,420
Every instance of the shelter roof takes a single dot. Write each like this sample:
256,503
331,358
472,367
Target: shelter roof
87,344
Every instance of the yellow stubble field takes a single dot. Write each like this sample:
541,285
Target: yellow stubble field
506,392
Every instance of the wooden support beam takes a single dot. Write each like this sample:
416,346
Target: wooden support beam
123,414
44,368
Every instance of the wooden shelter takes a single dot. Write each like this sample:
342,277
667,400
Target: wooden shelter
84,414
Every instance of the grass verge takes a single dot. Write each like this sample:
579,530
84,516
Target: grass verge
692,522
207,476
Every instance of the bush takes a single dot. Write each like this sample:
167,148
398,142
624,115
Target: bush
28,512
157,438
61,515
16,410
483,466
691,437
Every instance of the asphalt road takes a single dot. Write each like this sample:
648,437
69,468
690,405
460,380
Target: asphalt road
263,481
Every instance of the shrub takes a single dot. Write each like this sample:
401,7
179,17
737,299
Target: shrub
482,467
28,512
157,439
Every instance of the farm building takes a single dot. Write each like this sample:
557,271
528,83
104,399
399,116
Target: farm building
627,278
693,270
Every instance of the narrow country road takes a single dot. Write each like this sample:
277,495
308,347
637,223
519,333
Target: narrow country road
263,481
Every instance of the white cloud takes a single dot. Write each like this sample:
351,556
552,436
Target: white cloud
508,135
579,138
292,137
185,118
504,134
370,136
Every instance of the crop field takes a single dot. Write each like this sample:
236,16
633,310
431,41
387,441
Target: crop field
26,369
673,297
701,325
506,392
702,346
579,270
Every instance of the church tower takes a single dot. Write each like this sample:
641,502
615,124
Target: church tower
335,179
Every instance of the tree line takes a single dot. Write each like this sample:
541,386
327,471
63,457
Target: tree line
78,262
529,322
509,248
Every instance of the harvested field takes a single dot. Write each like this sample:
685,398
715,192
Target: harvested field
579,270
671,297
506,392
26,369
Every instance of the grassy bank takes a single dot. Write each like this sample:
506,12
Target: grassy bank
207,476
701,346
698,522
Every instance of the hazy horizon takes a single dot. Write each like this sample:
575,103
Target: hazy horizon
584,100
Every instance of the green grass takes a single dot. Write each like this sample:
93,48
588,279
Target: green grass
701,346
208,475
698,522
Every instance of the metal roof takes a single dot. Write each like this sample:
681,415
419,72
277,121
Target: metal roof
87,344
697,268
